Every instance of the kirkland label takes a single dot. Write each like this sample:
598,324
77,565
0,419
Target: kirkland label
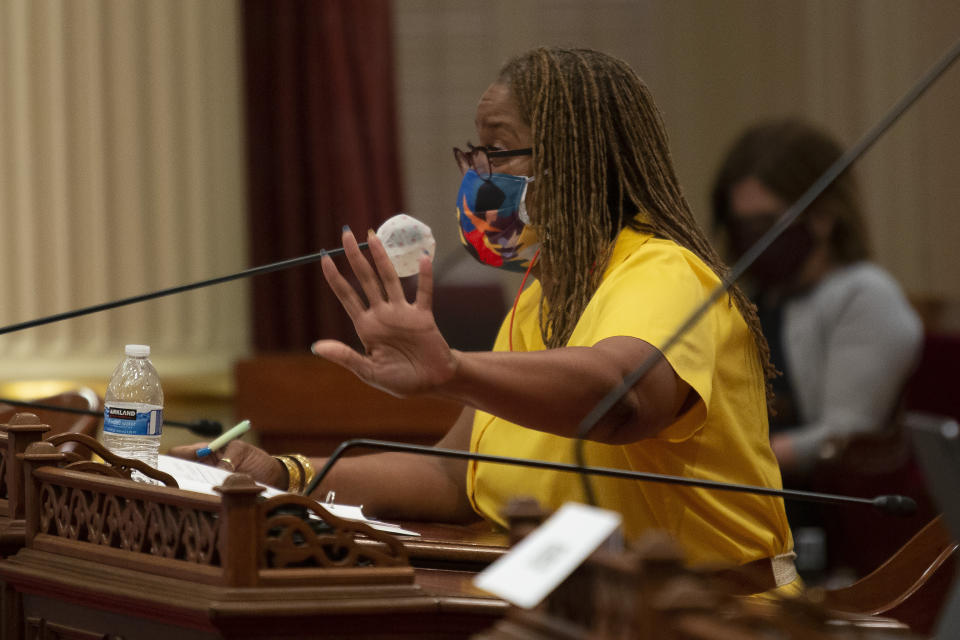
132,419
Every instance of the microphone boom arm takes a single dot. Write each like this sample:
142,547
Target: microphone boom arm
890,504
246,273
204,428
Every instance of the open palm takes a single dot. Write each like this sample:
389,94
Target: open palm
404,350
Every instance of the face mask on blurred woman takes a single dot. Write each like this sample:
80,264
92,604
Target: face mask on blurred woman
783,260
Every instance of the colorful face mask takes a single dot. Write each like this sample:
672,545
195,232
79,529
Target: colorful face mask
493,220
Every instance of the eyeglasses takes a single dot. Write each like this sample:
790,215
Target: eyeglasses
478,158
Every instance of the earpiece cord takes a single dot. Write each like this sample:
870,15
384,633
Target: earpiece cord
516,300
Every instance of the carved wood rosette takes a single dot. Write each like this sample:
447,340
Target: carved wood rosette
298,531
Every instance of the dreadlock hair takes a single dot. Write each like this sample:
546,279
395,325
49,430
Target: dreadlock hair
601,157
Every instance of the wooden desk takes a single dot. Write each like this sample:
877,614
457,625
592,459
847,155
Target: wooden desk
108,558
111,559
453,547
76,598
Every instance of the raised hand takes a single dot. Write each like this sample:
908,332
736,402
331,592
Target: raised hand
405,353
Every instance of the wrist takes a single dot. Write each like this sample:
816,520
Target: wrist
282,477
452,381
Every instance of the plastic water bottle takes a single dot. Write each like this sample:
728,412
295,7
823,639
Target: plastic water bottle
133,409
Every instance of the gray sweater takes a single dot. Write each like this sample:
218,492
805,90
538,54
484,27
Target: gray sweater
850,344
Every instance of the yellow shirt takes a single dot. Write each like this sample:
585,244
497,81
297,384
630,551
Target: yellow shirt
650,287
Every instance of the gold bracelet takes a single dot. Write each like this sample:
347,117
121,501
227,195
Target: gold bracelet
294,474
306,468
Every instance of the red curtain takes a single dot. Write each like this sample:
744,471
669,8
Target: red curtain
322,152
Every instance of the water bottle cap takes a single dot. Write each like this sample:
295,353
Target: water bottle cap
137,350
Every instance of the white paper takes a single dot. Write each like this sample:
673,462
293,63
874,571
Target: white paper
350,512
202,478
199,477
537,565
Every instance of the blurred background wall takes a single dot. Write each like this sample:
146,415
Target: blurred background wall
121,172
715,67
123,145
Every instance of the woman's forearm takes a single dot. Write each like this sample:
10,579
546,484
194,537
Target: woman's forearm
396,485
405,485
553,390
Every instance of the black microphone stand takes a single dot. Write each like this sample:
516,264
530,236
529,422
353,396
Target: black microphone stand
246,273
203,428
889,504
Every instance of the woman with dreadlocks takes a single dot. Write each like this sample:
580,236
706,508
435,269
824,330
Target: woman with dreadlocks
572,181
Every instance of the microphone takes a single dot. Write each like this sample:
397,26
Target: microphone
740,266
203,428
404,237
895,505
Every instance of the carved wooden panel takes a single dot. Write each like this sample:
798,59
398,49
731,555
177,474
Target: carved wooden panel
242,540
136,525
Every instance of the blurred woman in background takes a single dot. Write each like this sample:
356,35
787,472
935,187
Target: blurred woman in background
839,327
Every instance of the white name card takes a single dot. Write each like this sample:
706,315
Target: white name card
541,561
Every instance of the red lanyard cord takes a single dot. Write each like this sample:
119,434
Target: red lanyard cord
516,300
